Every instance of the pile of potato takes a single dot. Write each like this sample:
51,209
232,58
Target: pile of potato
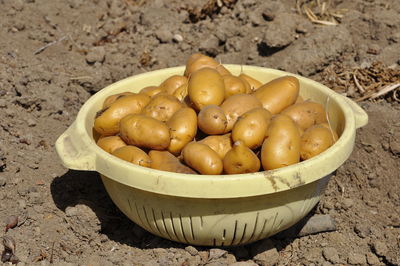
211,122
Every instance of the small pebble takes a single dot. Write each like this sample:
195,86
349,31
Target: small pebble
163,36
216,253
3,181
96,54
177,38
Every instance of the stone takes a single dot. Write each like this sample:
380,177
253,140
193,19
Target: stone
163,35
372,259
96,54
216,253
380,248
177,38
267,258
331,255
356,259
3,181
192,250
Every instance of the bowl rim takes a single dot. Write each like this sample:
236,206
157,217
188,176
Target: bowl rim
219,186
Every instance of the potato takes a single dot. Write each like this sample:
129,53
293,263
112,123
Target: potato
110,143
181,92
202,158
236,105
205,87
144,132
278,94
133,155
282,147
212,120
183,128
199,61
299,100
172,83
240,160
221,144
306,114
254,84
251,127
107,120
166,161
315,140
333,132
151,90
162,107
233,85
112,98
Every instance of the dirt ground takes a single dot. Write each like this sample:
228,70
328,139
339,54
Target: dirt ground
67,218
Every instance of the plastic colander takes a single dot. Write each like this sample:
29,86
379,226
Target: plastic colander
222,210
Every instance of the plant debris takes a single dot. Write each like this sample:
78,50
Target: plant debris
363,83
9,250
320,11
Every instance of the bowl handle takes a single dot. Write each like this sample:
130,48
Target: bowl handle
360,115
74,150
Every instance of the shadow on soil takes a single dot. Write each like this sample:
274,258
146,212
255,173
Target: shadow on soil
83,187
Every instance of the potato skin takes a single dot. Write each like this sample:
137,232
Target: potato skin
254,84
315,140
107,121
151,90
236,105
233,85
172,83
202,158
221,144
162,107
278,94
212,120
166,161
306,114
206,87
133,155
110,143
199,61
145,132
251,127
282,147
183,128
240,160
112,98
181,92
333,132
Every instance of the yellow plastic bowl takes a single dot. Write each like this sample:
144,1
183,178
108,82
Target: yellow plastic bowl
221,210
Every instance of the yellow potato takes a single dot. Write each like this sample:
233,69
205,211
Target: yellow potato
107,120
133,155
112,98
236,105
234,85
181,92
240,160
212,120
205,87
199,61
251,127
299,100
162,107
166,161
282,147
315,140
306,114
151,90
202,158
333,132
110,143
183,128
144,132
278,94
254,84
172,83
221,144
